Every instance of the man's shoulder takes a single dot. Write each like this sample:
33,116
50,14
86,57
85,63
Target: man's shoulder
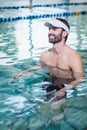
73,54
46,51
72,51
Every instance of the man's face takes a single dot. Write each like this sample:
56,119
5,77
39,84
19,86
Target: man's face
55,34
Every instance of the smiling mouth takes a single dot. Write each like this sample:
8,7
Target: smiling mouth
51,37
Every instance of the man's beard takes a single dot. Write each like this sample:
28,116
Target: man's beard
55,39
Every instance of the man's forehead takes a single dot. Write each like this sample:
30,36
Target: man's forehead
53,27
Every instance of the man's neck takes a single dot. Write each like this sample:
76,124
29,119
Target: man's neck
59,47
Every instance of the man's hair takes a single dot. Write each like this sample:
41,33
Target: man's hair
66,23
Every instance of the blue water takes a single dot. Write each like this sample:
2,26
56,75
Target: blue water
22,102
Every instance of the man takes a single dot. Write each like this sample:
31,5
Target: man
64,63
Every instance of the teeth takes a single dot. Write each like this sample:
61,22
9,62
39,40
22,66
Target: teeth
51,36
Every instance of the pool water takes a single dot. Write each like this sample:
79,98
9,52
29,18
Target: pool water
23,104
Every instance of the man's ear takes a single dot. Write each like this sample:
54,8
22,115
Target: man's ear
65,33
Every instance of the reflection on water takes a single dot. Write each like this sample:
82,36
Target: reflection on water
22,103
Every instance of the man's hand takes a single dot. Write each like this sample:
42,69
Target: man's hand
16,76
59,94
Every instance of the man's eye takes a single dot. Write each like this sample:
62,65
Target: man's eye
53,28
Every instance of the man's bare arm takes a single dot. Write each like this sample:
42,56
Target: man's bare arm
78,73
27,70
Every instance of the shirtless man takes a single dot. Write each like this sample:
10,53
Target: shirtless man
64,63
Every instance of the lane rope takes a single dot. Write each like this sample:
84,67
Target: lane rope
41,16
47,5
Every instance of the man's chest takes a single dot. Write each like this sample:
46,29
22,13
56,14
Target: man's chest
57,61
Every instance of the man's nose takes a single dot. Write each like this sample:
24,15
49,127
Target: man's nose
51,31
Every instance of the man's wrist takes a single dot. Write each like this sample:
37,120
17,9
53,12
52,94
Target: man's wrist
70,86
